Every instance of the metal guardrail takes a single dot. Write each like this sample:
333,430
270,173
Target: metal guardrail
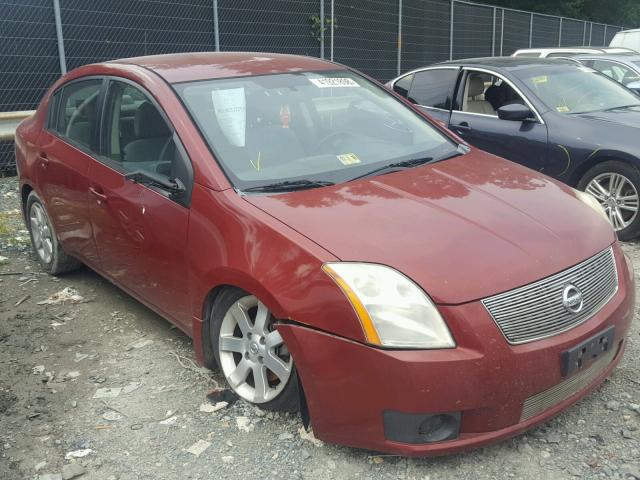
9,121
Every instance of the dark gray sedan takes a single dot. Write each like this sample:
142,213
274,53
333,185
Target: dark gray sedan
552,115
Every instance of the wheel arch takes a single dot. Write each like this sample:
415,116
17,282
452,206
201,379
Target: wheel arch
227,280
600,156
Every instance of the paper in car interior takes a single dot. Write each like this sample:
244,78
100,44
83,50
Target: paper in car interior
348,158
331,82
231,112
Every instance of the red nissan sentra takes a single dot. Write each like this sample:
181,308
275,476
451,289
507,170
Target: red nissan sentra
329,247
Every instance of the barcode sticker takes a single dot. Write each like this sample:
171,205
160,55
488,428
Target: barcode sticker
329,82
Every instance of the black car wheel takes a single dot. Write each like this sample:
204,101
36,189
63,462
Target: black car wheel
616,185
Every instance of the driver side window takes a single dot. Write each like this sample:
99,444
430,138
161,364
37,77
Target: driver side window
484,94
136,135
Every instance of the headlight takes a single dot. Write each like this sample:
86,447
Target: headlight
592,202
393,311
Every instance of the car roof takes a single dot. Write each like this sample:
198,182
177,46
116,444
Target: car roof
185,67
620,57
506,63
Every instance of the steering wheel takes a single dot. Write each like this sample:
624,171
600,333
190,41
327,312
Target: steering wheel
331,139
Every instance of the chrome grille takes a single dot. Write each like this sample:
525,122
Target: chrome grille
536,310
540,402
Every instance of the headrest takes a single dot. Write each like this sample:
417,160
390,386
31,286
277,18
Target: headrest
148,122
476,86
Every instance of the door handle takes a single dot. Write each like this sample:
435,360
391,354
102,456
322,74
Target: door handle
462,127
102,198
44,160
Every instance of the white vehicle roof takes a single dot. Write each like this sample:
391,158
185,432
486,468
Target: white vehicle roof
556,51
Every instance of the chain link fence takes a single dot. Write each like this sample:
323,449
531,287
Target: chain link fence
41,39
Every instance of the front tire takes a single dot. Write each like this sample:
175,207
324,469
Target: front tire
616,185
251,353
50,254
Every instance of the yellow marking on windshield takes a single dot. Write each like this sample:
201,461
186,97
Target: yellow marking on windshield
257,164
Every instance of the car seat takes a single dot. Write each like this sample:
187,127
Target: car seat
475,88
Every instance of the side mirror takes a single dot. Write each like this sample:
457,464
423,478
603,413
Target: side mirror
635,86
515,112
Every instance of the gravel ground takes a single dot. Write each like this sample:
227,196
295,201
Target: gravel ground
56,359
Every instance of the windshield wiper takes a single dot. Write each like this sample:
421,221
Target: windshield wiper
289,186
621,107
414,162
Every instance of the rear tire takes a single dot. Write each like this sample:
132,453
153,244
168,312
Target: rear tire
53,259
616,185
244,350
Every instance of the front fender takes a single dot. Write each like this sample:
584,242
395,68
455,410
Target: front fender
233,243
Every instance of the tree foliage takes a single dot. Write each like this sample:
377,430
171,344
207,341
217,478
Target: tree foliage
614,12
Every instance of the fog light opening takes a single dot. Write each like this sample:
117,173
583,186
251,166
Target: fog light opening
420,428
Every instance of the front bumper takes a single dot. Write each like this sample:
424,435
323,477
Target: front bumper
349,386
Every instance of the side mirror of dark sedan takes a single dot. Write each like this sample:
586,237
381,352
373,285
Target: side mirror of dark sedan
515,112
635,86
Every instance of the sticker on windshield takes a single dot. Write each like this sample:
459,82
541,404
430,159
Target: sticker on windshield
562,109
231,112
540,79
348,158
330,82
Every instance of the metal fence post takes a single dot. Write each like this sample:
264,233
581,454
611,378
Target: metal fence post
530,29
501,31
332,22
322,29
590,32
560,34
451,31
399,36
604,40
584,33
58,20
493,34
216,29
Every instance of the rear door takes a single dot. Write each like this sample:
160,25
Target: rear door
431,89
475,118
66,148
141,230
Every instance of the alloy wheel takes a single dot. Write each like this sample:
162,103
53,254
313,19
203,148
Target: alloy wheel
618,196
253,357
41,233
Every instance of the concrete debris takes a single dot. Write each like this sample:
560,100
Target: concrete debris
65,295
208,408
244,424
72,470
107,392
39,466
198,447
50,476
111,416
227,459
132,387
308,436
141,343
83,452
38,370
169,421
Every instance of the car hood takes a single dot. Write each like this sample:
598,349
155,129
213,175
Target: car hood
623,116
463,229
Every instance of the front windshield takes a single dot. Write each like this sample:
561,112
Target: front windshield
317,126
572,89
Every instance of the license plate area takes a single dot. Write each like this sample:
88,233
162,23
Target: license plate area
586,352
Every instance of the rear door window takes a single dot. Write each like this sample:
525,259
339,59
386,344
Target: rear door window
434,88
77,113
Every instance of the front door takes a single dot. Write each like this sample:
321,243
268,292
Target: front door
141,229
476,120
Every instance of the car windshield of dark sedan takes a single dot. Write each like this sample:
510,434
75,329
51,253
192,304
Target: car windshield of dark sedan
574,89
308,126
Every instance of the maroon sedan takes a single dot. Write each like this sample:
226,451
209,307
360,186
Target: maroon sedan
329,247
